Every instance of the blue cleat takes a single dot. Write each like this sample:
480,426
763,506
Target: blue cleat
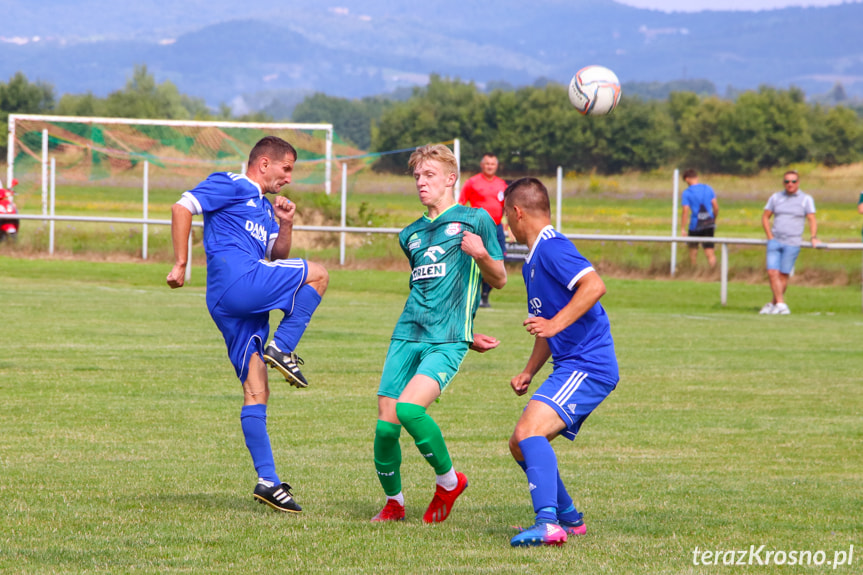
540,534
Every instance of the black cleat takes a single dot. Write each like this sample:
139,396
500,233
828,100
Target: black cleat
287,363
279,497
483,302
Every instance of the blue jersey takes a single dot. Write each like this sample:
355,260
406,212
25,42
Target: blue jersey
239,228
699,198
550,273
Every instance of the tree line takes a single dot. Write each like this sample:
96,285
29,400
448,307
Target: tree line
531,129
534,129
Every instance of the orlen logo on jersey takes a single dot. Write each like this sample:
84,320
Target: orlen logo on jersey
433,252
534,305
258,231
429,271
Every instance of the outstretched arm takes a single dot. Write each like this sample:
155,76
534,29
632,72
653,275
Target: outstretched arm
181,225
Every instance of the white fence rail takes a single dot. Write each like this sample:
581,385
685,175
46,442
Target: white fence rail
723,242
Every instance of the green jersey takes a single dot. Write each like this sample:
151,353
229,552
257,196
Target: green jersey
445,282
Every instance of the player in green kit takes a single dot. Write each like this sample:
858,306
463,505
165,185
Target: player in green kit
451,249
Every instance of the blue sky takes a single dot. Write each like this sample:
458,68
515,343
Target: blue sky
698,5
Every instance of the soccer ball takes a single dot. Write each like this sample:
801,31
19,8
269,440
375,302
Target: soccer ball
594,90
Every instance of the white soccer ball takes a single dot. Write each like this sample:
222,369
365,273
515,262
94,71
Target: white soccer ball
594,90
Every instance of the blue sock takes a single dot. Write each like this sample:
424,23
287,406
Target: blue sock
541,472
291,329
254,421
566,508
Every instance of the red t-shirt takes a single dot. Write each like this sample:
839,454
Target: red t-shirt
486,194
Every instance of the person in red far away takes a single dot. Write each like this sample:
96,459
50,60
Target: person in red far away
485,190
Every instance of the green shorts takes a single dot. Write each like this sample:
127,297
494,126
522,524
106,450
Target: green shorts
405,359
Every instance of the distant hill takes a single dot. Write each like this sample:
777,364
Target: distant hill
375,46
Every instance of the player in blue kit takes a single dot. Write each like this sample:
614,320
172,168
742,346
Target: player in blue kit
571,327
247,240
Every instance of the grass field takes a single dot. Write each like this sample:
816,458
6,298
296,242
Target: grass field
121,449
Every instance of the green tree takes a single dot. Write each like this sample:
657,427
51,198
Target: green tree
837,136
439,112
21,96
352,120
142,97
639,135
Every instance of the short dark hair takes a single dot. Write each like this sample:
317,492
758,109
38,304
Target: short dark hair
689,173
272,147
489,155
529,194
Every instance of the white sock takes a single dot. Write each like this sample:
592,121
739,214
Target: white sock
400,498
448,480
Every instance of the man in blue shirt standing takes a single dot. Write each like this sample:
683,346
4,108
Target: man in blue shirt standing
700,210
247,240
570,327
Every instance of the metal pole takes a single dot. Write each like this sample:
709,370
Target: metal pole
344,216
674,223
456,149
10,154
328,180
53,195
44,172
559,195
723,284
146,208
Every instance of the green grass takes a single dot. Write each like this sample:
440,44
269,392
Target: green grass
121,449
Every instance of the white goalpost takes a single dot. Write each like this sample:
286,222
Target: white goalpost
125,151
118,148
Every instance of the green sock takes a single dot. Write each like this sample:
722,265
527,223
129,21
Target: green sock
388,456
426,434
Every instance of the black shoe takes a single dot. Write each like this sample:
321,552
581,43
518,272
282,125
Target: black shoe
287,363
483,302
279,497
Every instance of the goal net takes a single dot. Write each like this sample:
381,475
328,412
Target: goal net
179,154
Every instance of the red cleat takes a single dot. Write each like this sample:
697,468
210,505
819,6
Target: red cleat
392,511
443,500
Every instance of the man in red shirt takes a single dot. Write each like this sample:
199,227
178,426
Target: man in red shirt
485,190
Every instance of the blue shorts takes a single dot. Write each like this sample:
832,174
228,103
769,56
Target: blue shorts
405,359
243,313
781,256
573,394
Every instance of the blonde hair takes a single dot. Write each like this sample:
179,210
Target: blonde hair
436,152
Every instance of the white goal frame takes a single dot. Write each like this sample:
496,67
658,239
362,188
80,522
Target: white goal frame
13,118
